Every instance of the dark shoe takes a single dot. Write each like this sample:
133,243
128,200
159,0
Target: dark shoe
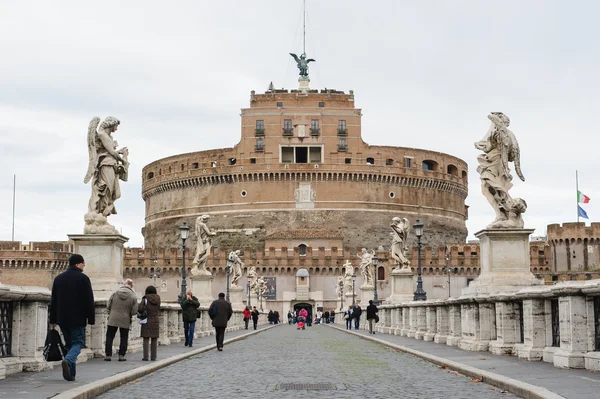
185,345
122,358
107,359
145,359
190,345
153,359
66,370
220,349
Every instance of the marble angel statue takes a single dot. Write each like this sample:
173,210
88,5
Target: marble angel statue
107,165
348,276
399,250
236,267
366,264
253,278
339,286
500,147
203,246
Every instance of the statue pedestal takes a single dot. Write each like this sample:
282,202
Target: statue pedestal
366,295
402,286
348,301
103,255
236,297
304,83
504,261
202,288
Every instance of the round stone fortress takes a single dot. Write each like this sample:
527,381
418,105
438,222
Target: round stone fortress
302,164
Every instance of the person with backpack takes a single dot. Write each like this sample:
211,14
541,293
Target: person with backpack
190,313
372,316
72,308
220,312
247,315
122,306
151,305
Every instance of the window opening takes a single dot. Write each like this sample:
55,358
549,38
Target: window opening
302,249
342,128
260,128
389,162
370,161
279,104
252,160
301,155
321,104
287,127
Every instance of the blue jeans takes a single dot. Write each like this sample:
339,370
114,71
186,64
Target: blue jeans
349,324
188,329
74,341
356,322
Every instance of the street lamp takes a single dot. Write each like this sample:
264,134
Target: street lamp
449,270
228,272
375,261
184,231
353,280
248,288
420,295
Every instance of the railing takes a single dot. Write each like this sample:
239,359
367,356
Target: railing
288,131
259,132
6,317
342,132
315,131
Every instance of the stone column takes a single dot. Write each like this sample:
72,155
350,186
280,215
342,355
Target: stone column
163,325
573,332
534,329
405,322
412,332
236,297
442,324
96,334
103,255
421,322
507,327
366,294
431,321
397,326
402,286
173,324
454,325
478,326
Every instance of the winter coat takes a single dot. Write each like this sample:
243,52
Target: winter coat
122,305
224,312
246,314
72,301
151,328
371,311
189,309
357,312
255,314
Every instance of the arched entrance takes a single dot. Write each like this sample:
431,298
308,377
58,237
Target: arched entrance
308,307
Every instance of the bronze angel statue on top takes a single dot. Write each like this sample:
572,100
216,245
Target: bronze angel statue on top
106,167
500,147
302,63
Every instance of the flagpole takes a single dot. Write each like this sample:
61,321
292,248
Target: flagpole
577,189
13,219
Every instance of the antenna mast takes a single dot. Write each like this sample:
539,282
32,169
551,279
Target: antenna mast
304,28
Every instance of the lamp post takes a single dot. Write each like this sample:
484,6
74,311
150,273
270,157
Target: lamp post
420,295
353,280
184,231
228,272
248,288
375,262
449,270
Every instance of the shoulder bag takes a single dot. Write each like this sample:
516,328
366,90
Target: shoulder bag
143,315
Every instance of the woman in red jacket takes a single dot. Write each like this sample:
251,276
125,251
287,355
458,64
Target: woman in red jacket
246,316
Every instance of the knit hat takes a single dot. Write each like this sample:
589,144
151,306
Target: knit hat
75,259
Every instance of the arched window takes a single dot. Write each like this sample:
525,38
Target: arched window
370,161
452,170
464,174
430,165
302,249
150,175
381,273
389,162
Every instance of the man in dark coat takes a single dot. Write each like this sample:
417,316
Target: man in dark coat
72,308
356,314
254,315
220,312
371,316
189,311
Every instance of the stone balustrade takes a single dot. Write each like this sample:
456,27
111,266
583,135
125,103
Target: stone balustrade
24,325
559,324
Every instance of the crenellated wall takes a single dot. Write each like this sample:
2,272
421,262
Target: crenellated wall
575,247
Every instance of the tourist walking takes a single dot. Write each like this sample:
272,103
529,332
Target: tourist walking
151,304
348,317
247,315
356,313
289,316
271,317
72,308
372,316
190,313
332,315
220,312
254,315
326,316
122,306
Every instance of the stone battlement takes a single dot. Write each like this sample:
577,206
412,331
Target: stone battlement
573,231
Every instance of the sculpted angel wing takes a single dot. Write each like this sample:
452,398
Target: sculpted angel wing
91,148
295,57
310,59
515,155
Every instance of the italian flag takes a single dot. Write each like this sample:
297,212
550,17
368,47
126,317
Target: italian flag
582,198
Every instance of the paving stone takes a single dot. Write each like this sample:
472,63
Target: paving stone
259,366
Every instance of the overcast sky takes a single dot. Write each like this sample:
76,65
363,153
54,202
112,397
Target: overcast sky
176,74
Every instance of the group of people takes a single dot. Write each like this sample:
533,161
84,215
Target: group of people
353,313
273,317
72,307
251,314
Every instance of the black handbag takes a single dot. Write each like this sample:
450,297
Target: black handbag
54,349
376,319
144,313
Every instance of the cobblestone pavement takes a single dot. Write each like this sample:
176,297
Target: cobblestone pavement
257,365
